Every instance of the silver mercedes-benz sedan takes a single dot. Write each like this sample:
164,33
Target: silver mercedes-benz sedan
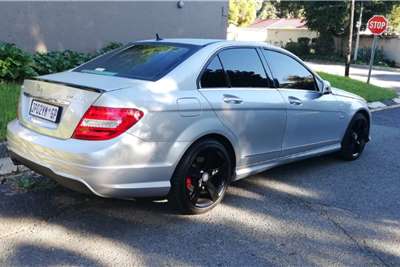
181,118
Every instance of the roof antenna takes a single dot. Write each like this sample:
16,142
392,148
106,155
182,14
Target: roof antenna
158,38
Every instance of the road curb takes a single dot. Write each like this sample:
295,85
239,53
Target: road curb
382,105
385,108
7,166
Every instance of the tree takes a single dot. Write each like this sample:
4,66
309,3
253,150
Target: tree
241,12
326,18
267,11
375,7
394,18
279,9
332,18
289,9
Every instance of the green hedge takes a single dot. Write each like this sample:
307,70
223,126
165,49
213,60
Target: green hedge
322,48
16,64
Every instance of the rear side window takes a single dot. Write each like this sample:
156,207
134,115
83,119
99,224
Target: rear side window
213,75
147,61
244,68
288,72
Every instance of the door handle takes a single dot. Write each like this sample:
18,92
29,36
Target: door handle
294,101
231,99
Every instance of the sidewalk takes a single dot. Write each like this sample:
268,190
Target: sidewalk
379,77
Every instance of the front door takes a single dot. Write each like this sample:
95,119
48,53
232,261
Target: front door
313,118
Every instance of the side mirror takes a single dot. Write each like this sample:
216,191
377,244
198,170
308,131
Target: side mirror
326,88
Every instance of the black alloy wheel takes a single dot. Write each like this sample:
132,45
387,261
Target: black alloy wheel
201,178
356,137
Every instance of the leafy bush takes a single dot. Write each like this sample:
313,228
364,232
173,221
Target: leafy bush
15,64
363,57
301,48
109,47
56,61
324,45
304,40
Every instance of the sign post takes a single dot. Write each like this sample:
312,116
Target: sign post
377,25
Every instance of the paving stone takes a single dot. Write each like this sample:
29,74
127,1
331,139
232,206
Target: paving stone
6,166
376,104
389,102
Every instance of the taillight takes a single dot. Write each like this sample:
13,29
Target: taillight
103,123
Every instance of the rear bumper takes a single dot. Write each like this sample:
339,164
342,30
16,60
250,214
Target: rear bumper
123,167
67,182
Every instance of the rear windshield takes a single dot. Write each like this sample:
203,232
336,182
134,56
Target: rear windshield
146,61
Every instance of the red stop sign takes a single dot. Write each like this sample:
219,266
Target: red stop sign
377,24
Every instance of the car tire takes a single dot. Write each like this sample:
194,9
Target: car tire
355,138
201,178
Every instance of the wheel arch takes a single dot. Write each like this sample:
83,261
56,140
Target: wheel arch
221,138
367,115
224,141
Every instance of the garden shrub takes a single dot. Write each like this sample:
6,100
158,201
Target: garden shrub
324,45
15,64
56,61
300,48
109,47
363,57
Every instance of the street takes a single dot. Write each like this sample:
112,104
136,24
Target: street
383,78
321,211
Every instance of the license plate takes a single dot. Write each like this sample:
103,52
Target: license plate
45,111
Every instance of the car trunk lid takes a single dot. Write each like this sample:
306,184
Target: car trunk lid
71,102
72,92
89,81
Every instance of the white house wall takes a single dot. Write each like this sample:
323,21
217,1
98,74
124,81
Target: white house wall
279,37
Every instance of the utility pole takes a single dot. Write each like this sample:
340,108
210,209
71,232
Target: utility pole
348,54
371,60
358,33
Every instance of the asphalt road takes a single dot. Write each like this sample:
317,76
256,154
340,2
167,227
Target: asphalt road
321,211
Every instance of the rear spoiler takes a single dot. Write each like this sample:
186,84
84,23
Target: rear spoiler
86,88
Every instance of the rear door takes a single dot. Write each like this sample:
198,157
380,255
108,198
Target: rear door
313,118
241,93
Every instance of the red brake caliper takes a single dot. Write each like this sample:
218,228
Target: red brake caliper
188,183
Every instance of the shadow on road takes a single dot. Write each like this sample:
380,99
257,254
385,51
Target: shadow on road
317,211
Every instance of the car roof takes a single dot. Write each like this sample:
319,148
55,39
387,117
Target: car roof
205,42
189,41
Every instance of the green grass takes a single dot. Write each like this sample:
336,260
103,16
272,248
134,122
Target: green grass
9,94
368,91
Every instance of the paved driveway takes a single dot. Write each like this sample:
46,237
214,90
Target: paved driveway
383,78
321,211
